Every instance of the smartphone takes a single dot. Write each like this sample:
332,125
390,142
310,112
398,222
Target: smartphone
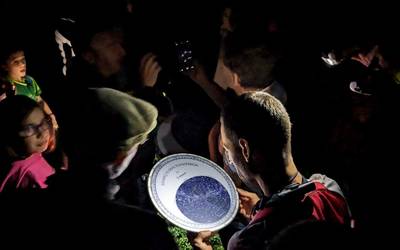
184,54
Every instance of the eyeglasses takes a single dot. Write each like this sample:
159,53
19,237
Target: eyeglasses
31,129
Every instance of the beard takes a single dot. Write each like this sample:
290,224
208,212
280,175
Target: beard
243,171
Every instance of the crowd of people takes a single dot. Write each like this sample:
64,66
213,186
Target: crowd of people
302,126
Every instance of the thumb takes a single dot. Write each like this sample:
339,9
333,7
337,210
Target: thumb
243,192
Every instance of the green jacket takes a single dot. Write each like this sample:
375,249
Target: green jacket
28,87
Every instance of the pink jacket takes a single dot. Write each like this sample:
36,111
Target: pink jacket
31,172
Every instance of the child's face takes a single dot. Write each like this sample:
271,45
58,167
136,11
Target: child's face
36,132
16,66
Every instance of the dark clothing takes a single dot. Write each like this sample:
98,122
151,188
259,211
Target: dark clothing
309,201
44,219
133,181
96,134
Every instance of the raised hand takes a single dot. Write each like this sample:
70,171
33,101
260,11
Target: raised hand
149,69
198,74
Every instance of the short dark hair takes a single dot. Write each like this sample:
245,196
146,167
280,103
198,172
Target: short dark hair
259,118
252,58
7,49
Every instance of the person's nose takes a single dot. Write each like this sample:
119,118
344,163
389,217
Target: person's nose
40,134
42,131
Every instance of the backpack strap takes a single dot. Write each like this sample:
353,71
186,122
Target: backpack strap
266,205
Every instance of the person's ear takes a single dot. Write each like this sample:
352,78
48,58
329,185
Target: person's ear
89,57
235,79
244,146
239,90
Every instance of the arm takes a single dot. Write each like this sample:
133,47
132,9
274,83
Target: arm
148,72
42,102
213,90
48,111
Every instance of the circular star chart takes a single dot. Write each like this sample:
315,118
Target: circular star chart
203,199
193,192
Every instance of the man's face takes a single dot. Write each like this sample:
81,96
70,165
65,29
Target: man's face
109,52
234,157
121,162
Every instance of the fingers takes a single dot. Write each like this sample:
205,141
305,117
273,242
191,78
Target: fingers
245,208
155,66
202,246
149,69
149,63
244,199
247,201
245,213
201,240
146,58
245,193
197,74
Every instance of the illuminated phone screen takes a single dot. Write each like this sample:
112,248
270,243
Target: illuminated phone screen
184,55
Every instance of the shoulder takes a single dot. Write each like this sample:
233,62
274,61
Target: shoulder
266,224
29,79
327,182
33,85
39,167
19,175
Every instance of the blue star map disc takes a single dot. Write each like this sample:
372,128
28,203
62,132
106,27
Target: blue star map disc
203,199
193,192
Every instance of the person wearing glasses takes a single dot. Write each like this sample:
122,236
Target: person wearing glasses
25,133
